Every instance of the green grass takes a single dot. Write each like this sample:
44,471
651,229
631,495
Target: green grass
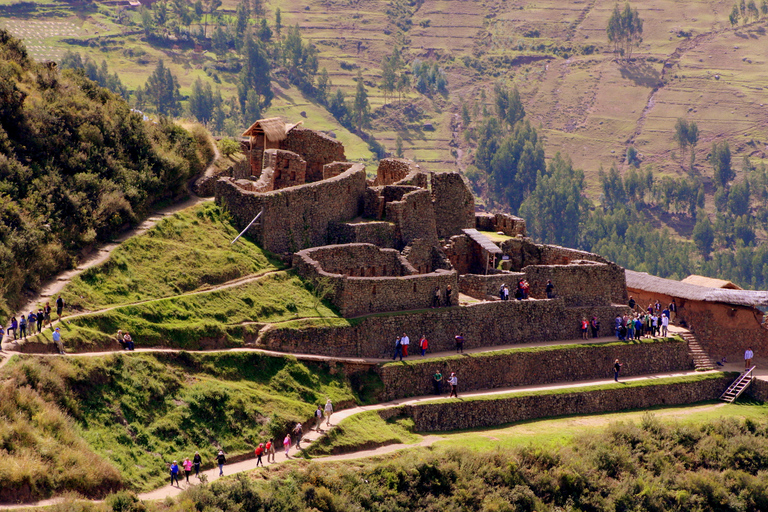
142,411
543,350
187,251
364,431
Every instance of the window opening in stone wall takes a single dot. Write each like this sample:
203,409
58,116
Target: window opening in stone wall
414,287
373,290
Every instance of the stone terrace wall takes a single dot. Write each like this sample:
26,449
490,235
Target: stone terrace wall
335,168
527,368
485,324
379,233
522,252
472,414
453,203
413,217
758,390
579,284
392,170
500,222
482,287
362,260
316,148
296,217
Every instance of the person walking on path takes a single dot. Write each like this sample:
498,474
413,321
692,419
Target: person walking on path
31,322
57,340
748,355
328,412
550,289
187,464
437,381
14,327
448,293
47,314
319,418
616,369
405,341
59,307
270,450
40,318
454,382
259,451
459,343
299,433
287,445
398,349
196,461
175,473
221,460
423,343
22,327
436,298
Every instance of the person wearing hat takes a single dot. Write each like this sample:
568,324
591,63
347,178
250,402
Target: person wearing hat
175,473
328,412
187,464
121,340
57,340
221,459
196,461
454,382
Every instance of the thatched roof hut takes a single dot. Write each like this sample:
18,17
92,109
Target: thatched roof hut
273,128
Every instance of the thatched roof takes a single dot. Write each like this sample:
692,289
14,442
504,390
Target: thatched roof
646,282
483,241
274,128
710,282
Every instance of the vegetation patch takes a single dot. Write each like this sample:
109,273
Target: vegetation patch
363,431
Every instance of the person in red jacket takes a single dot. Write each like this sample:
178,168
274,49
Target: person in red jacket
423,343
259,451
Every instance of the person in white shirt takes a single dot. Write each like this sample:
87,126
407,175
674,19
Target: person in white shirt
664,325
454,382
328,412
748,355
405,341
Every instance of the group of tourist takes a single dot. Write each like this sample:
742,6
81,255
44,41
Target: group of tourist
453,381
33,323
125,340
437,297
403,342
267,448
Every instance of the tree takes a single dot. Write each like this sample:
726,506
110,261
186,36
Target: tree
738,198
162,91
242,17
278,21
625,30
255,86
752,10
734,16
703,235
323,86
201,101
265,33
509,106
338,107
361,109
466,118
721,161
388,78
686,134
399,147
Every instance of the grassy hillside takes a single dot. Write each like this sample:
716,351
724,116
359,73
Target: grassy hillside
94,423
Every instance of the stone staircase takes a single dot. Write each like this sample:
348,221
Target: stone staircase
701,359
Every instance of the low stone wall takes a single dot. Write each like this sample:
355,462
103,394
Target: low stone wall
482,287
318,149
379,233
335,168
758,390
479,413
543,365
500,222
392,170
486,324
585,284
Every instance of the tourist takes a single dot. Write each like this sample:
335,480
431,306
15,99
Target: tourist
630,328
299,433
57,340
175,473
59,307
617,327
405,341
318,419
616,369
501,291
13,327
220,460
437,381
506,292
287,445
595,325
664,325
436,298
638,327
448,293
631,303
459,343
550,289
40,320
454,382
121,340
2,335
196,461
259,451
187,464
22,326
655,324
423,343
398,349
328,412
270,450
47,314
748,355
128,341
31,322
672,310
584,329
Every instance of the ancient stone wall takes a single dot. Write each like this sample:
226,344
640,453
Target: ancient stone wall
392,170
335,168
378,233
426,257
500,222
546,365
461,250
758,390
353,260
453,204
282,169
413,216
485,324
472,414
487,287
582,284
296,217
522,252
318,149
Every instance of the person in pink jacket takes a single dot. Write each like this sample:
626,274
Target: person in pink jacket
187,464
287,444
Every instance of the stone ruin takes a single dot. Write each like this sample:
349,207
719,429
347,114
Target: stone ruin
391,243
